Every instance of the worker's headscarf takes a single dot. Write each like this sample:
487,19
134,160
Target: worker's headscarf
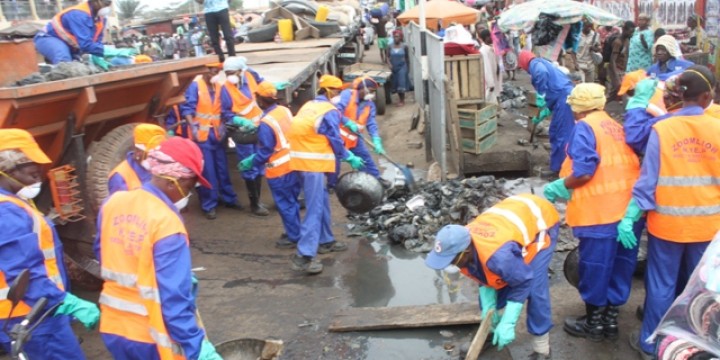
524,59
235,63
364,83
177,158
672,86
266,89
144,133
630,80
18,147
670,44
587,97
330,82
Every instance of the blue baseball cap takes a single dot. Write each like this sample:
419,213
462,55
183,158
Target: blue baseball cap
449,241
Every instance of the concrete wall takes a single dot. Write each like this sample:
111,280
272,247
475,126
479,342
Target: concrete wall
20,9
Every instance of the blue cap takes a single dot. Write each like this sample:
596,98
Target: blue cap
449,241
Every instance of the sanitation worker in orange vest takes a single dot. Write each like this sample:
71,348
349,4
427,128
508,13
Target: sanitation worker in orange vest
29,241
597,179
358,107
273,153
202,112
507,251
678,189
78,30
315,143
243,112
147,301
133,172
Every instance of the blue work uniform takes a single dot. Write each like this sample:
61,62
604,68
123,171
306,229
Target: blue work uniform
215,168
669,263
53,339
82,26
524,281
674,67
170,255
548,80
285,189
116,181
316,227
243,150
360,148
606,267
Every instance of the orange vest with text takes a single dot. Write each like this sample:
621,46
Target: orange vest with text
279,120
67,36
523,219
310,151
207,112
604,199
132,181
687,196
242,105
46,247
348,137
132,222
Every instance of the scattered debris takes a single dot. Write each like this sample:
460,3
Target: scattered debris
415,145
522,142
513,97
446,333
61,71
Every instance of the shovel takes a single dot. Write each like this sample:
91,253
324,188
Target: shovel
409,178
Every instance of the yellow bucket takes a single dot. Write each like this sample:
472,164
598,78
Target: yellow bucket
285,28
322,13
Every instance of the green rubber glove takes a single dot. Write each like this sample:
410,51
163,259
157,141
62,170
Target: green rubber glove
83,311
355,161
113,52
379,149
544,114
242,122
505,330
555,190
100,62
488,301
643,93
208,352
246,163
280,85
626,235
171,133
352,126
540,101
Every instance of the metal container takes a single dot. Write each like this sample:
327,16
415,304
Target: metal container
359,191
571,267
242,137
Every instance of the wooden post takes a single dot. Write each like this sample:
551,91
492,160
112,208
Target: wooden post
452,125
33,10
59,5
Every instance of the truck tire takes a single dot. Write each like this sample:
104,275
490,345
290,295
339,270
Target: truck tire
105,155
380,100
388,92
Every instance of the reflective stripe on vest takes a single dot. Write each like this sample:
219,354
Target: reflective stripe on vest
123,305
4,293
541,225
310,151
124,279
279,119
165,341
207,112
349,138
687,194
244,106
311,156
66,36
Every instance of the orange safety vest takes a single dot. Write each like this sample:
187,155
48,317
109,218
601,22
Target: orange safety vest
179,128
46,245
523,219
688,188
713,110
279,120
132,181
131,225
310,151
67,36
207,112
242,105
349,138
604,199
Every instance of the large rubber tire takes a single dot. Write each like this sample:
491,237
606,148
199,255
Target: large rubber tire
104,156
380,100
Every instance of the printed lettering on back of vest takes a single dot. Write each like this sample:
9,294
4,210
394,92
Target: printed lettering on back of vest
482,229
693,149
130,232
613,129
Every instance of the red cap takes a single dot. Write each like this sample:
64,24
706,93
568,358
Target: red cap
524,59
187,153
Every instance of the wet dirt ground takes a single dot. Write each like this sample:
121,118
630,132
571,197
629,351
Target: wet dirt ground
249,290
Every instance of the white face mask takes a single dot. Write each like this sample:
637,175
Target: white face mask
104,12
369,97
145,164
335,100
452,269
234,79
182,203
31,191
215,79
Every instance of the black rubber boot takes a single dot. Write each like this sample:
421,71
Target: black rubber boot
254,196
588,326
610,322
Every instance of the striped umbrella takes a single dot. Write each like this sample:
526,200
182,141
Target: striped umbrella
523,16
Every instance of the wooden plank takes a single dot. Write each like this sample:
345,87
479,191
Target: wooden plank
475,90
479,340
453,131
464,79
404,317
300,44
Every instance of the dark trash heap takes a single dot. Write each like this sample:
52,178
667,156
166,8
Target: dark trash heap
449,202
513,97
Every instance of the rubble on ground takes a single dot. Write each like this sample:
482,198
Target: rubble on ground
61,71
513,97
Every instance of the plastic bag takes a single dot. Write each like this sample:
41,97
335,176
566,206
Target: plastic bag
545,31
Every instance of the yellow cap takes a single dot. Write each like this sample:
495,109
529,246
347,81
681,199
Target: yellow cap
266,89
18,139
330,82
145,133
586,97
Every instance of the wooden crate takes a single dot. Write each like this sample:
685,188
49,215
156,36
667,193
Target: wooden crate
467,77
478,126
